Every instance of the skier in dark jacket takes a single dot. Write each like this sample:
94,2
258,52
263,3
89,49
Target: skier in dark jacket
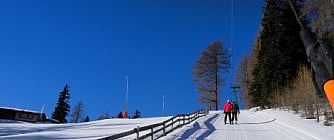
227,111
235,110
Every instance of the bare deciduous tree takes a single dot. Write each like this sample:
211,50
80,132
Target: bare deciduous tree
241,77
77,114
106,115
207,73
321,16
301,95
303,87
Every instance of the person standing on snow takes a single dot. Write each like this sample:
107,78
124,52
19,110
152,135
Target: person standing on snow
227,111
235,110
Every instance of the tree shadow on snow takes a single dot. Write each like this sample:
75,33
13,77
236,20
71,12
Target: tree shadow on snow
191,131
210,127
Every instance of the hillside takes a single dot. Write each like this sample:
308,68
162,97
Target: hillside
74,131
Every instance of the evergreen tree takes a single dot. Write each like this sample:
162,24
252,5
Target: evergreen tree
62,109
207,73
86,119
281,52
120,115
136,114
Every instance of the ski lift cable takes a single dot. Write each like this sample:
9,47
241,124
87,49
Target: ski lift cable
231,34
294,12
296,15
231,37
231,50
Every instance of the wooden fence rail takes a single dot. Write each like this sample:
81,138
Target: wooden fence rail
160,129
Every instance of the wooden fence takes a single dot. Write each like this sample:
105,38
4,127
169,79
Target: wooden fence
158,130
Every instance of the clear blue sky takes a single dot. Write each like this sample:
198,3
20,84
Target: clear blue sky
91,45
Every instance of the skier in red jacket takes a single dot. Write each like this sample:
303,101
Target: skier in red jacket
227,111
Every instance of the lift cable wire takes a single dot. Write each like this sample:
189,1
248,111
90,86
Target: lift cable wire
296,15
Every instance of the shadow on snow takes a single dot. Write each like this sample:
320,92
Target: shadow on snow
196,127
259,122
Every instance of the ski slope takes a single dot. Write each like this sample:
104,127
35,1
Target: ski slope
10,130
254,125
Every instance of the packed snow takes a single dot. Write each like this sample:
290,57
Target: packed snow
253,124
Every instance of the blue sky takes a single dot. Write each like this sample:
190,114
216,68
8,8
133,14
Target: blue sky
91,45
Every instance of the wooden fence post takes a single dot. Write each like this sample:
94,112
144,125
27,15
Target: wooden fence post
190,118
151,132
137,131
180,117
164,129
172,124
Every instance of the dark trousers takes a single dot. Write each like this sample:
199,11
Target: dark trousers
229,117
234,116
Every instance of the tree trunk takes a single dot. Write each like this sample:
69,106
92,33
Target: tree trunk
332,114
317,107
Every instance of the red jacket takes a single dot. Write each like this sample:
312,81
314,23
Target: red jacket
228,107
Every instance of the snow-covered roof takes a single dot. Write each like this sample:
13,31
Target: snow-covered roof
17,109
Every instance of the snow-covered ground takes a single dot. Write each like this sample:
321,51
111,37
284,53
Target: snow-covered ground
253,125
87,131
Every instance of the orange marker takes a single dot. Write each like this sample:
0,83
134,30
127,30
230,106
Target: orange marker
329,90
